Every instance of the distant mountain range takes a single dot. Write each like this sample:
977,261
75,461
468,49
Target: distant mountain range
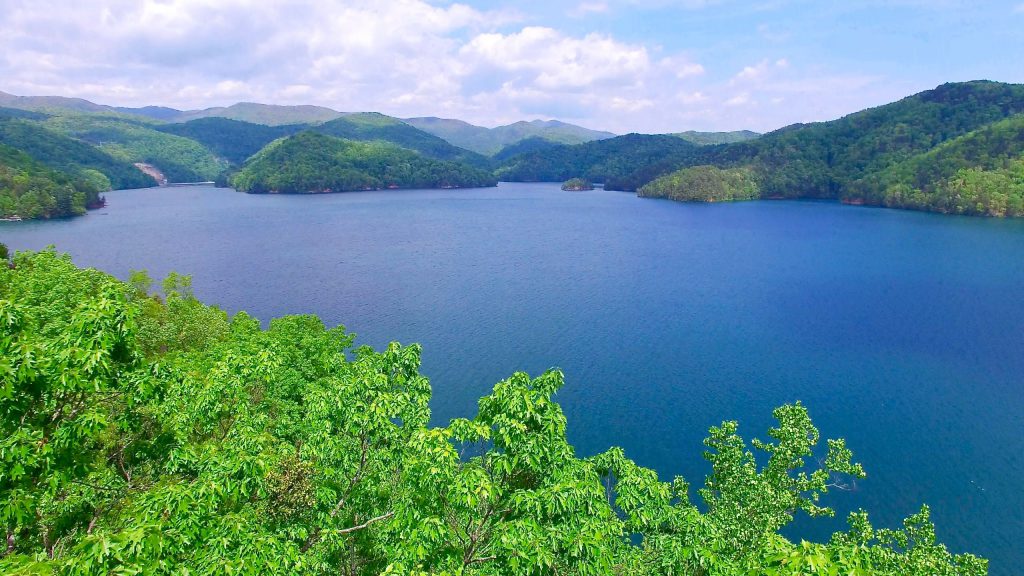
958,149
490,141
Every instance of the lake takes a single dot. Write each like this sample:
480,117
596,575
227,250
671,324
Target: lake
900,331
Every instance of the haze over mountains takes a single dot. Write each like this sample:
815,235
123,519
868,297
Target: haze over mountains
954,149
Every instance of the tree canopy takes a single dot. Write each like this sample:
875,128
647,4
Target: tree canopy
313,162
147,433
30,190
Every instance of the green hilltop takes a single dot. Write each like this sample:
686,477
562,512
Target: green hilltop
311,162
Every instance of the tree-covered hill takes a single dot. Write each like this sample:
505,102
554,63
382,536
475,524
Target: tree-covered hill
135,140
69,155
314,162
489,141
233,140
621,163
28,189
823,160
981,173
147,433
370,126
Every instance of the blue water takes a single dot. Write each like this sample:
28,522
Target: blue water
901,331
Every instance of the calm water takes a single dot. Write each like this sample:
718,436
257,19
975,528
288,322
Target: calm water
901,332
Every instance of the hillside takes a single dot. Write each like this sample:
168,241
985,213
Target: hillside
621,163
180,159
312,162
979,173
525,146
823,160
233,140
74,157
489,141
28,189
266,114
370,126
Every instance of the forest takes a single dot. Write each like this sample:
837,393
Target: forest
313,162
956,149
143,432
30,190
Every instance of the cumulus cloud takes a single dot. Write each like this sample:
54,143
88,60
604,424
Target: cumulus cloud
400,57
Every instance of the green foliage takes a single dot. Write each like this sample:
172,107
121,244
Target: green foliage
704,184
371,126
981,173
524,146
221,447
313,162
577,184
71,156
135,140
621,163
30,190
233,140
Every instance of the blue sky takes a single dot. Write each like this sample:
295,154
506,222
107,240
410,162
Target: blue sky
621,65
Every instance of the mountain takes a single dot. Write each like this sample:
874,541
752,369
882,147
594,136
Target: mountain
28,189
489,141
266,114
524,146
162,113
50,103
979,173
710,138
180,159
623,162
74,157
311,162
233,140
369,126
861,156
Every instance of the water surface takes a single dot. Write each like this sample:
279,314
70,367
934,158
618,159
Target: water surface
900,331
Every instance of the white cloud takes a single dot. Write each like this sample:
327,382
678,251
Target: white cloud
400,57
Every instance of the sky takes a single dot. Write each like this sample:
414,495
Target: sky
649,66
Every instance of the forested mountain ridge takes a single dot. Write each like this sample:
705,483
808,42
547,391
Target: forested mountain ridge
233,140
180,159
151,434
617,162
370,126
489,141
69,155
311,162
266,114
979,173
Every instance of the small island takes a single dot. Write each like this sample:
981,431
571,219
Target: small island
577,185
